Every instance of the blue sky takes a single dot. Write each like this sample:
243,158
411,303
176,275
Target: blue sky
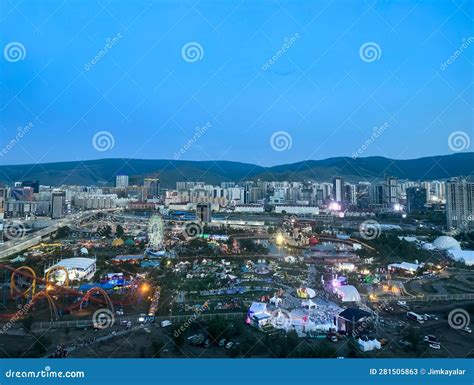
320,92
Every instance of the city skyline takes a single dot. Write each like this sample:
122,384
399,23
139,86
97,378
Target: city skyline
353,169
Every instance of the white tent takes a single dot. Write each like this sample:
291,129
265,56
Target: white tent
367,346
465,256
411,267
308,304
277,301
348,293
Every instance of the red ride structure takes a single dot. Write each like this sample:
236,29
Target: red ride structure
95,294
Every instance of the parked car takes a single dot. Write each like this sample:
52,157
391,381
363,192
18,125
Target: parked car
430,338
165,323
435,346
222,342
229,345
207,343
196,339
467,329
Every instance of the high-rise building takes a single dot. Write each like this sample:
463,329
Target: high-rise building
34,184
22,194
319,196
460,205
121,181
58,200
3,195
438,191
362,195
153,187
376,194
183,186
203,212
350,193
391,191
327,193
427,186
416,200
338,189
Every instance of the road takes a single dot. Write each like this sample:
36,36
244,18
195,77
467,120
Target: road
15,246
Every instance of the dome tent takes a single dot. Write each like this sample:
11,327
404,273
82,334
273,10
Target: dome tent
446,243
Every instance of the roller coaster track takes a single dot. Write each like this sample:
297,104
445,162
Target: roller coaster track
52,307
55,269
58,289
31,289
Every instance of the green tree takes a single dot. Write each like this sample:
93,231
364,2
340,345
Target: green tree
119,231
413,337
63,232
216,328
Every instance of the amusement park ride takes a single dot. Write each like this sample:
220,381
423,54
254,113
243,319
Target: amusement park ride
155,246
30,292
22,291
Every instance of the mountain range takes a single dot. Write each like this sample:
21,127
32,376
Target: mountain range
103,171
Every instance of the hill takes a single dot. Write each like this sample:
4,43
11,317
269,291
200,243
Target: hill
103,171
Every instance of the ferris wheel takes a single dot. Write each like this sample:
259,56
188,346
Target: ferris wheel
155,232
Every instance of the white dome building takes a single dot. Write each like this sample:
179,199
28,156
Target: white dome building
446,243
